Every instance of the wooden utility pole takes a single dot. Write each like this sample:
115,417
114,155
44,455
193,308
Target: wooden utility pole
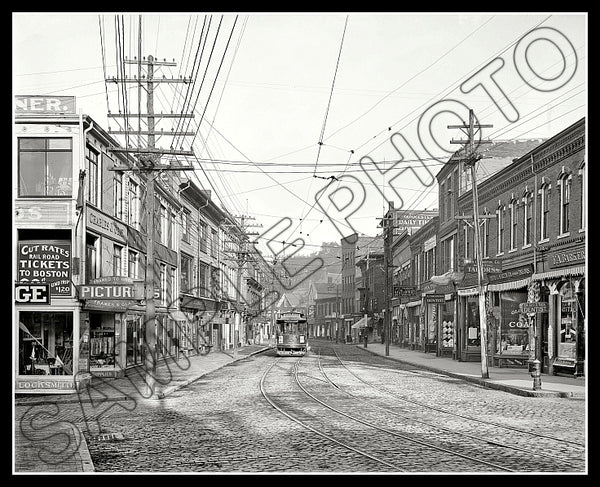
241,257
470,160
149,163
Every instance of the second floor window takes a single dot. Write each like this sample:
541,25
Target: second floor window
583,195
133,205
565,199
486,236
133,264
527,219
117,260
500,225
185,273
91,160
118,196
45,166
202,236
513,224
544,197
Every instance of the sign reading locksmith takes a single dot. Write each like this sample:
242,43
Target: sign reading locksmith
111,291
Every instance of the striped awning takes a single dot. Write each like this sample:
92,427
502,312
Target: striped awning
569,271
507,286
470,291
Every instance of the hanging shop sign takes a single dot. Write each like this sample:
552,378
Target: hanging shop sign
32,293
435,298
45,262
541,307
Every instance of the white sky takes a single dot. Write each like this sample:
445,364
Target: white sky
271,95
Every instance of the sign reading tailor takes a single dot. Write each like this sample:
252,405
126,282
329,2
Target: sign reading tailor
48,262
40,104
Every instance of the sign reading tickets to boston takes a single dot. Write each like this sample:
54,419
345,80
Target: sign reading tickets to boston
45,261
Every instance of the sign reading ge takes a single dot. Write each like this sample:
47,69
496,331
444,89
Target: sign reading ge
32,293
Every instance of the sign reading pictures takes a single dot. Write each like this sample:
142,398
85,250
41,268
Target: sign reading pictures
45,262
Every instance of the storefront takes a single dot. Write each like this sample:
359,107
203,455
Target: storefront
432,320
413,313
52,348
563,279
108,305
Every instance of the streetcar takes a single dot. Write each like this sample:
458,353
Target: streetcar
291,334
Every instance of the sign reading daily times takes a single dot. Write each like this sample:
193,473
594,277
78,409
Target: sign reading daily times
49,262
44,105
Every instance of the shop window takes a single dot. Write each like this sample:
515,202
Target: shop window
473,332
103,352
135,330
45,166
514,326
569,315
45,343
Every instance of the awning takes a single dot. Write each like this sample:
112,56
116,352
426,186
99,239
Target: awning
412,304
471,291
362,323
506,286
569,271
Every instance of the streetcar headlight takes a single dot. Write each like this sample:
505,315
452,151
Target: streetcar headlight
280,339
301,338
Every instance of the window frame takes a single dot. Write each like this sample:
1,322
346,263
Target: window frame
45,151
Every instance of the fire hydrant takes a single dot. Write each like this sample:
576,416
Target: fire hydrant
535,370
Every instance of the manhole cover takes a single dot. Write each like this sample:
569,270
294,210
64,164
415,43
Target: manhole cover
110,437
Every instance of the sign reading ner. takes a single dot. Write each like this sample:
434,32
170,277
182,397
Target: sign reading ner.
39,104
111,291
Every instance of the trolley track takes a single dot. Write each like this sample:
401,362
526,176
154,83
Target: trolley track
421,454
557,451
506,448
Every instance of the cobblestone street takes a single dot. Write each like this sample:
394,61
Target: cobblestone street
222,423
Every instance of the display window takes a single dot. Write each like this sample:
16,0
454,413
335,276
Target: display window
135,331
567,340
447,333
473,335
45,343
514,325
103,347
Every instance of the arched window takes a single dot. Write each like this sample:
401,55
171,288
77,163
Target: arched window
544,205
514,222
564,186
527,218
500,212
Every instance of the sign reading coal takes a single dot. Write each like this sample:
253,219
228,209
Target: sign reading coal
48,262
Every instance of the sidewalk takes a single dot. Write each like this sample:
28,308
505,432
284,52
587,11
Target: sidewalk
512,380
170,376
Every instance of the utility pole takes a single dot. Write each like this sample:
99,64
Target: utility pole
149,163
241,258
387,222
470,160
